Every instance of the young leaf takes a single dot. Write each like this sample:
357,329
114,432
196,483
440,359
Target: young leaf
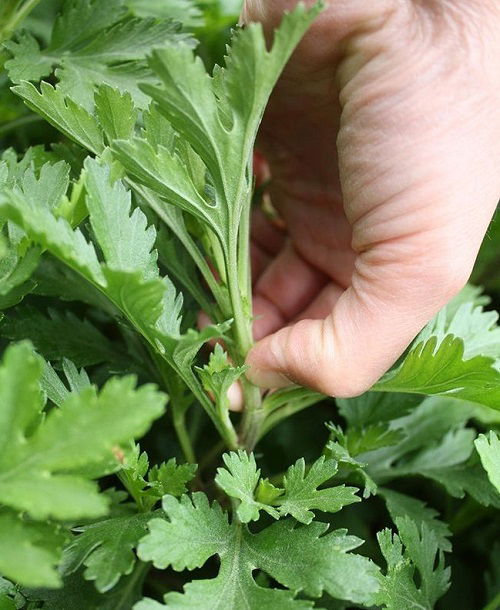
302,496
218,116
39,454
488,448
239,480
106,549
195,531
147,486
420,552
218,376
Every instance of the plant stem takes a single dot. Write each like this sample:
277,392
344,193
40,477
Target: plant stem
494,604
19,122
15,19
138,575
179,419
253,415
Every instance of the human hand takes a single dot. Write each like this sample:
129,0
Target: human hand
383,224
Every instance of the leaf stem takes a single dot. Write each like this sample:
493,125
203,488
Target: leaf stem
253,415
22,121
15,19
179,420
494,604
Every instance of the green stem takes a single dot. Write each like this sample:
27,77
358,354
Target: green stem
494,604
179,419
274,418
253,415
138,576
16,18
19,122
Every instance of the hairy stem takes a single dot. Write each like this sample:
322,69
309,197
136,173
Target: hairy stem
239,284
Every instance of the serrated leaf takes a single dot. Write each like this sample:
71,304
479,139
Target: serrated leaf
414,549
93,43
185,11
488,448
57,335
195,531
29,551
39,454
239,480
116,112
302,496
436,445
218,376
400,505
63,113
147,486
124,237
171,478
106,549
217,117
375,408
457,354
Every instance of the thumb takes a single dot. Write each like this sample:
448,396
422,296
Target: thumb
369,327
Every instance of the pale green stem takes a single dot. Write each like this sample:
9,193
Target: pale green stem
179,419
14,21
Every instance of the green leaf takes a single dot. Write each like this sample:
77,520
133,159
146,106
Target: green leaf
59,335
116,112
195,531
301,495
376,407
340,452
78,593
53,233
400,505
239,480
185,11
147,486
414,549
457,354
218,116
437,446
39,454
218,376
29,551
63,113
11,594
92,44
106,549
171,478
124,237
488,448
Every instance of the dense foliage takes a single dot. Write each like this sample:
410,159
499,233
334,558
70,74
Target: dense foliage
126,186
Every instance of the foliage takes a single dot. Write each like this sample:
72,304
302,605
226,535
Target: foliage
126,185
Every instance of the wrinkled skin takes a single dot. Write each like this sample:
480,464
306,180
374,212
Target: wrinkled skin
383,141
